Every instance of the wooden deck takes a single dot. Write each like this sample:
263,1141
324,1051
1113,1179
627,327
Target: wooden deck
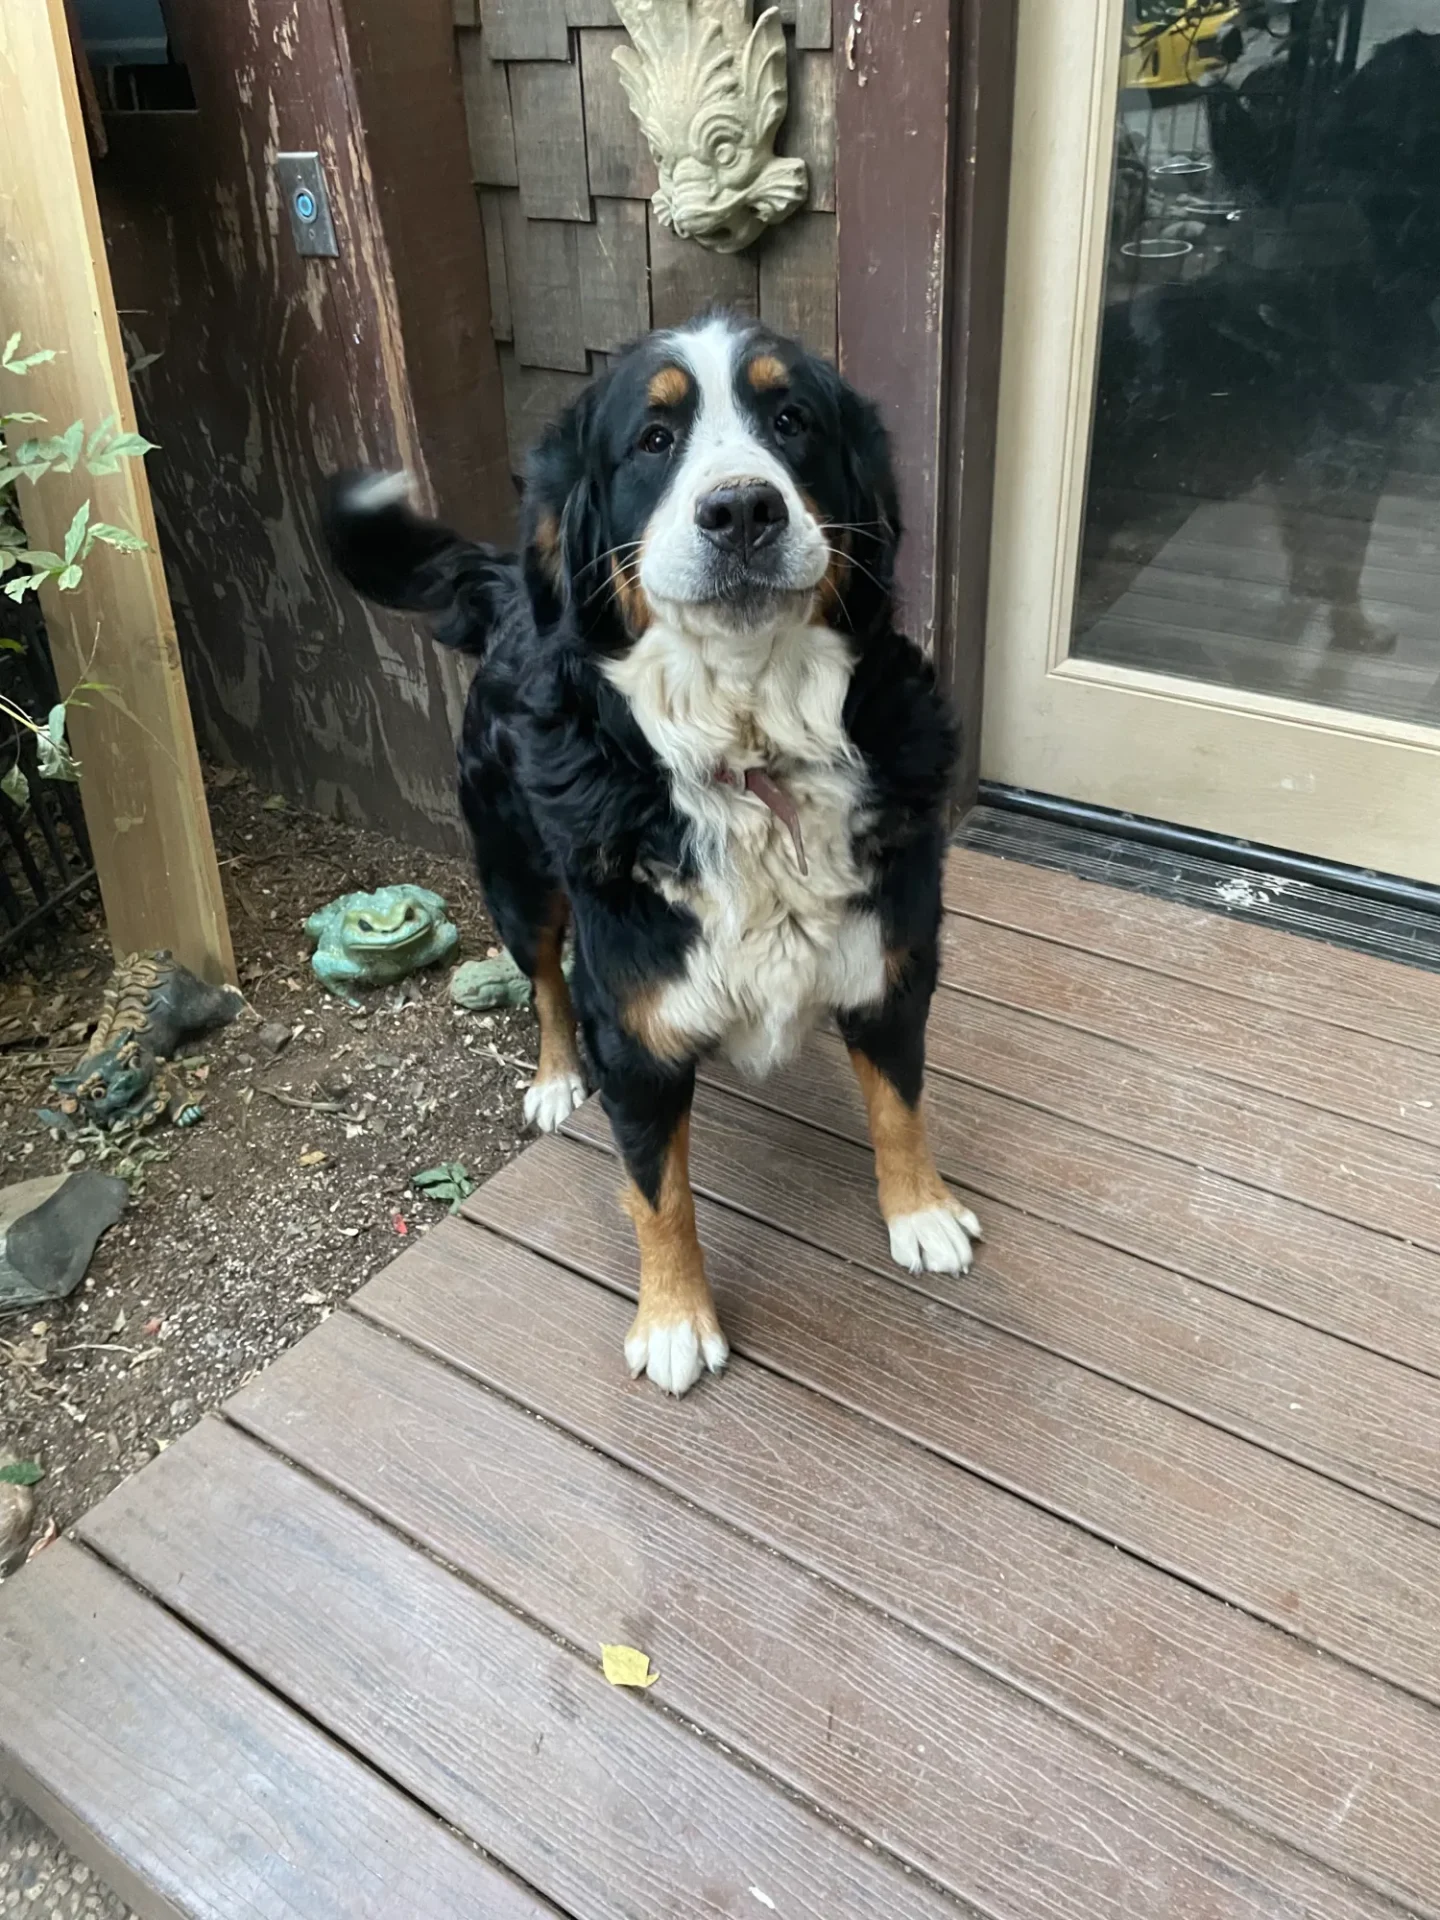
1104,1582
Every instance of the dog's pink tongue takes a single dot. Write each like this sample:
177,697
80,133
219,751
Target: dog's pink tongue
781,805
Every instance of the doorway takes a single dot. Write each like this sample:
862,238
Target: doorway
1215,589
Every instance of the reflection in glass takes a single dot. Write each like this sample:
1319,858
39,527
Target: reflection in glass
1263,508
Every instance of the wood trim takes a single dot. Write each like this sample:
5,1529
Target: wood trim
980,191
893,128
921,243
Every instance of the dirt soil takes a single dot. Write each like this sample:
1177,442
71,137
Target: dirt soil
293,1189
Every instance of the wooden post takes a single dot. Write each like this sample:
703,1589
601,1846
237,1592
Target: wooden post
140,779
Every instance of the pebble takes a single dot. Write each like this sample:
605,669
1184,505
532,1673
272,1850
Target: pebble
274,1036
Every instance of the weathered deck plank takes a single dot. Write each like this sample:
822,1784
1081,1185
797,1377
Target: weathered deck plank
193,1790
1370,1288
1255,1531
1098,1583
1354,1416
593,1795
1331,986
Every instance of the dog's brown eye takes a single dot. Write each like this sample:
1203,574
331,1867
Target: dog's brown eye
788,422
656,439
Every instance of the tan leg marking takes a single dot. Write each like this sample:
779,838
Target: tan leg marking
559,1086
929,1229
675,1335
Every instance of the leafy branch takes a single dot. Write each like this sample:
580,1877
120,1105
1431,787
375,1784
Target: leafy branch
98,453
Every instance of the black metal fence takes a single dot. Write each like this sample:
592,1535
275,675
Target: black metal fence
46,870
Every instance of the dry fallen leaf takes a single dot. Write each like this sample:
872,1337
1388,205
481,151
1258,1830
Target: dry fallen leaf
315,1158
627,1667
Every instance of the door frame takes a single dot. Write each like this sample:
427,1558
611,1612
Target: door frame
923,102
1341,786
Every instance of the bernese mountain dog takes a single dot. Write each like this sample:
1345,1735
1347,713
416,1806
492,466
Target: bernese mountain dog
696,738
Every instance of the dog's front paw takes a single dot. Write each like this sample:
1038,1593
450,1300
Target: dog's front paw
550,1103
935,1240
675,1352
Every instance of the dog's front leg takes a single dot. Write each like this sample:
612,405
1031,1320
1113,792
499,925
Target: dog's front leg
675,1335
929,1229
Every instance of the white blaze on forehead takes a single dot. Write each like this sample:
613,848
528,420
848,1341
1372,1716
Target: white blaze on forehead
713,354
723,447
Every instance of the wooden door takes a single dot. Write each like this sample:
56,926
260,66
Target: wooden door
1215,591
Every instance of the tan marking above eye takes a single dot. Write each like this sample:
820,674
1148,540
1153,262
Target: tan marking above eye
767,372
547,542
670,387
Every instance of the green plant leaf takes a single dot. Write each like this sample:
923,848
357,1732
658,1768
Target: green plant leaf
18,588
41,557
9,475
69,578
10,346
11,646
72,444
16,788
55,724
20,1473
99,436
120,537
75,532
25,419
54,760
129,446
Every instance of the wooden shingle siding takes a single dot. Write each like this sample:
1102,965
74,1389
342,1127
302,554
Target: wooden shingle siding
526,29
550,139
534,396
487,113
613,257
797,281
812,23
579,265
620,161
543,268
684,278
502,324
809,129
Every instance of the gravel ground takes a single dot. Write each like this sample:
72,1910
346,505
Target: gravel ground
38,1876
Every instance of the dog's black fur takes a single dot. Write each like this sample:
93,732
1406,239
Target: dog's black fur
561,790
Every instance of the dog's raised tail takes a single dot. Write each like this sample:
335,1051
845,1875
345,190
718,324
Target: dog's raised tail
392,555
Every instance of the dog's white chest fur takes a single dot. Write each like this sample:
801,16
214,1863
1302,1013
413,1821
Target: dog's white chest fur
777,946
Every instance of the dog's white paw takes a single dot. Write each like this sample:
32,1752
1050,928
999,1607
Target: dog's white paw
935,1240
674,1353
550,1103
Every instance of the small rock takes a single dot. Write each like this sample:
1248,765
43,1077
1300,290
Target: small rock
274,1036
245,1060
17,1513
182,1410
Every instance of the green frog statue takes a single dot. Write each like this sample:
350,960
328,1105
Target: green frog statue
375,939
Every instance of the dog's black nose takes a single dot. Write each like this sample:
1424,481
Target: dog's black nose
743,516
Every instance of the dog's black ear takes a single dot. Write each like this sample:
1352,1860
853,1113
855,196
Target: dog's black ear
873,511
563,516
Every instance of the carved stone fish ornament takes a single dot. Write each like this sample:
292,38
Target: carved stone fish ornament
709,92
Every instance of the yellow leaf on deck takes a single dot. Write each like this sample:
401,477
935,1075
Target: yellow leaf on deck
627,1667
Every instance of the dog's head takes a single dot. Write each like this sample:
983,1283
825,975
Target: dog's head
719,479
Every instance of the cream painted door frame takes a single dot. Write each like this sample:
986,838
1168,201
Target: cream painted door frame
1339,785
